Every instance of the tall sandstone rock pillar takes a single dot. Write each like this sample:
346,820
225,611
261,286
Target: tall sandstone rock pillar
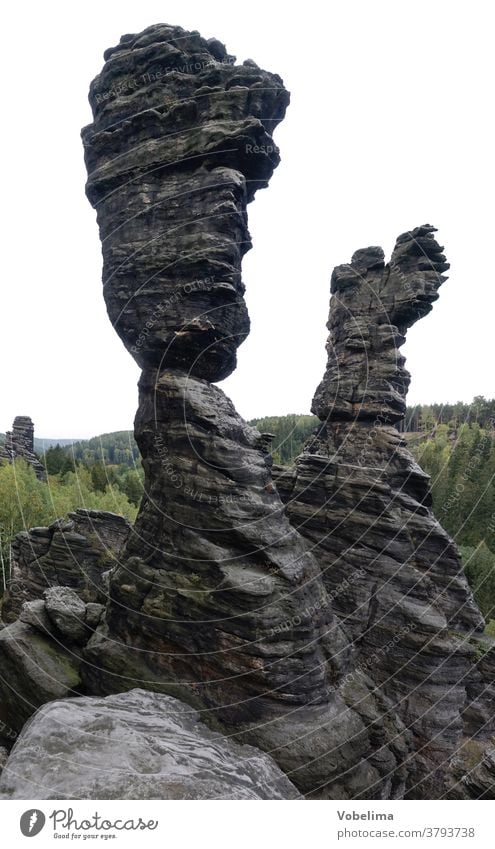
333,632
359,498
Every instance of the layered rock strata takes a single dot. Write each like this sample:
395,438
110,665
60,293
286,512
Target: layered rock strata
77,552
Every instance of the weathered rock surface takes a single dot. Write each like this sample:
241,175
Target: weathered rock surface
62,614
34,613
180,142
75,552
372,306
19,444
138,745
479,711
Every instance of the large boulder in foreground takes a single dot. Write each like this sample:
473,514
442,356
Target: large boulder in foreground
135,745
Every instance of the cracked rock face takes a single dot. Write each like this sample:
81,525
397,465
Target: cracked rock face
180,142
35,669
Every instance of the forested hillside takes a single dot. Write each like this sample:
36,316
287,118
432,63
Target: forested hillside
425,417
461,463
26,502
118,448
289,432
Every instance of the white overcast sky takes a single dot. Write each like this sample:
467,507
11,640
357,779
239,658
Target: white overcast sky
390,126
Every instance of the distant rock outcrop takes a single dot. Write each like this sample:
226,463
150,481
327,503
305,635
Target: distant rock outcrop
19,444
137,745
